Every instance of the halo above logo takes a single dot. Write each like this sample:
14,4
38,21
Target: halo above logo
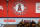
19,7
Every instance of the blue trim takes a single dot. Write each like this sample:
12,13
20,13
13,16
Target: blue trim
19,17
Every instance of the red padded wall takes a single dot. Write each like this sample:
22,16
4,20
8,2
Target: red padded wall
3,13
31,9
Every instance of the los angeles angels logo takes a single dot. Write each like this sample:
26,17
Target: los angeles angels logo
19,7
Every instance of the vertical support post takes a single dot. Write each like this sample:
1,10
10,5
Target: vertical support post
7,11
